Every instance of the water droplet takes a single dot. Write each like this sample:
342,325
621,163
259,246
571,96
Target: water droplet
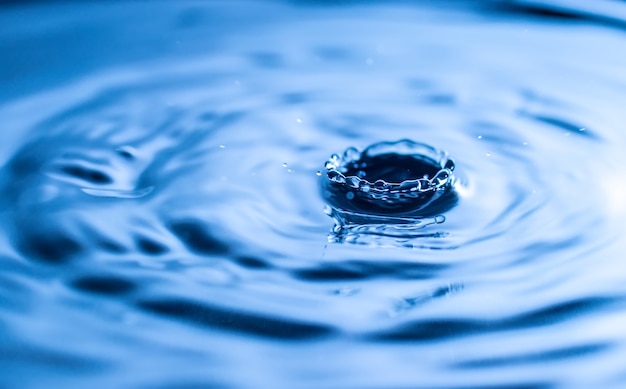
442,177
350,195
424,184
353,182
336,177
333,162
439,219
285,164
380,184
318,173
409,186
351,154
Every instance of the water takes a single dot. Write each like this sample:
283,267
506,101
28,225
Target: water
163,203
387,187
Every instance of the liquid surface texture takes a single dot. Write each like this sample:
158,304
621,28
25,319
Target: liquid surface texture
162,194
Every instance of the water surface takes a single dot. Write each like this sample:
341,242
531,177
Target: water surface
163,224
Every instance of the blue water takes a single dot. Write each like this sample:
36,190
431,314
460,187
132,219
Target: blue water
165,221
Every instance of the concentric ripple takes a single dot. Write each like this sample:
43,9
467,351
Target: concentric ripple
162,198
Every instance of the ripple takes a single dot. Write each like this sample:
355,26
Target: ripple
230,320
174,183
439,329
102,284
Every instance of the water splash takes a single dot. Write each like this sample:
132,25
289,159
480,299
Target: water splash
389,189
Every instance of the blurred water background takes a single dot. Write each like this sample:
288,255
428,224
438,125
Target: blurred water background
163,226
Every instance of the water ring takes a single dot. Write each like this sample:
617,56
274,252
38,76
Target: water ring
389,182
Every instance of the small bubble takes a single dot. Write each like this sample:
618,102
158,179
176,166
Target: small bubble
479,137
350,195
285,164
524,143
318,173
488,155
582,129
222,146
289,171
298,120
